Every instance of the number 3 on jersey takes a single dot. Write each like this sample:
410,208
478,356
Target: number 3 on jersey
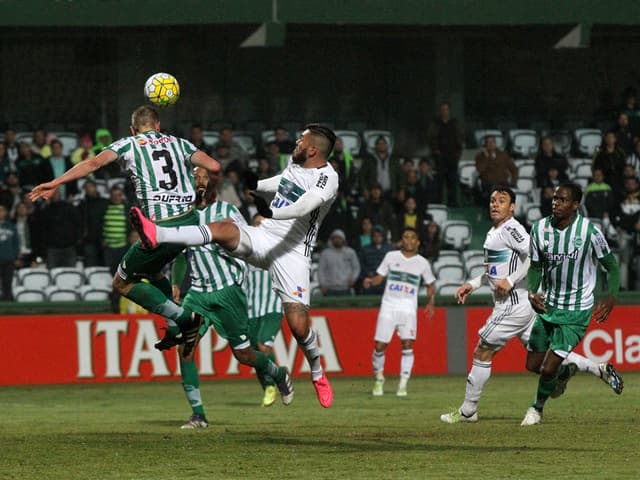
167,168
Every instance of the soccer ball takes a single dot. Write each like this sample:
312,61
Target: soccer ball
162,89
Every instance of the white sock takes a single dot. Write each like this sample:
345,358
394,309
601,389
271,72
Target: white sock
311,351
378,364
192,235
406,363
478,376
583,363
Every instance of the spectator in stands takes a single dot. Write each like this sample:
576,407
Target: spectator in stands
24,224
624,136
628,221
13,149
338,267
631,109
376,208
39,145
84,151
103,140
552,179
371,256
546,197
446,141
9,250
380,167
411,187
195,137
10,192
5,164
264,169
115,229
342,162
32,169
340,217
60,164
409,217
611,159
238,157
285,145
91,210
494,167
222,154
548,158
634,159
429,182
229,187
430,241
277,159
598,197
363,236
61,232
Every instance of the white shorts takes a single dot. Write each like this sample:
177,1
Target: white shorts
290,270
505,322
391,320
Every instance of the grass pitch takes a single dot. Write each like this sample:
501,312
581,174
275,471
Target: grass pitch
132,432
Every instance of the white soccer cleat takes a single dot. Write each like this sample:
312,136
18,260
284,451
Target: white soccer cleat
458,417
402,391
532,417
378,388
195,421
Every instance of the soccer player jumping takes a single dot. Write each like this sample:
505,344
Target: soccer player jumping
283,242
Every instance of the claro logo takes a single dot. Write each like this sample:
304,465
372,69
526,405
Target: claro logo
600,346
118,363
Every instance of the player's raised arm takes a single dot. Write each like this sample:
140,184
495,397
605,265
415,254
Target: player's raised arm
80,170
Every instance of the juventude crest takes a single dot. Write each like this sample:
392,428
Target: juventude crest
577,242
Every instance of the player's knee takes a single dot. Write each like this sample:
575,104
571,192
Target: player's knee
120,286
246,356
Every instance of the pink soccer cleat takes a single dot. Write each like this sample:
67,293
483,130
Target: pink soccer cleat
145,228
324,391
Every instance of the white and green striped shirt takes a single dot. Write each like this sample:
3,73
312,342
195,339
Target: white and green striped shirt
262,299
160,166
212,268
568,259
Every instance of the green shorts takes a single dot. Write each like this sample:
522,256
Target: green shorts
138,262
225,310
264,329
559,330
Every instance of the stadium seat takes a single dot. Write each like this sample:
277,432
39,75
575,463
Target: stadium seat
588,140
524,143
98,277
468,174
70,141
446,289
56,294
480,135
34,278
120,181
210,137
473,261
450,254
246,140
562,141
483,290
522,201
90,293
447,261
525,184
582,181
457,234
351,141
526,170
67,278
370,137
24,137
451,274
24,294
583,170
313,273
533,213
476,270
439,213
469,255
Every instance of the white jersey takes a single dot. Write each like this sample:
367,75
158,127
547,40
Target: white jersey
300,234
505,248
404,275
160,166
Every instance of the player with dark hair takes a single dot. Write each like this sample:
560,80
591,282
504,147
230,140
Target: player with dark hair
565,251
160,166
283,242
404,271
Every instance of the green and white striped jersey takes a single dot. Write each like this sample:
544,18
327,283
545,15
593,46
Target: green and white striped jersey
160,166
262,299
213,268
568,259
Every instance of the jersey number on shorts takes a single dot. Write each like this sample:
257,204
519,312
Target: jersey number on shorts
164,155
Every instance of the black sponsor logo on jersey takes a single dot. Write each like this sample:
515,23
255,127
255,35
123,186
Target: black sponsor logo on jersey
172,198
322,181
517,236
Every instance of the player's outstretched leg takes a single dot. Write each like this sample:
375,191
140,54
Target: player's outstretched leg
146,228
566,372
320,381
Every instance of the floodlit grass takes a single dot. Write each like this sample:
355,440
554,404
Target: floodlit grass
132,432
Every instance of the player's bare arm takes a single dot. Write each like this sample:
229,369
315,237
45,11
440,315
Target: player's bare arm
463,292
201,159
81,170
430,308
375,281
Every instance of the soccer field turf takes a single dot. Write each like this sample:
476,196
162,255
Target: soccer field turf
128,431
